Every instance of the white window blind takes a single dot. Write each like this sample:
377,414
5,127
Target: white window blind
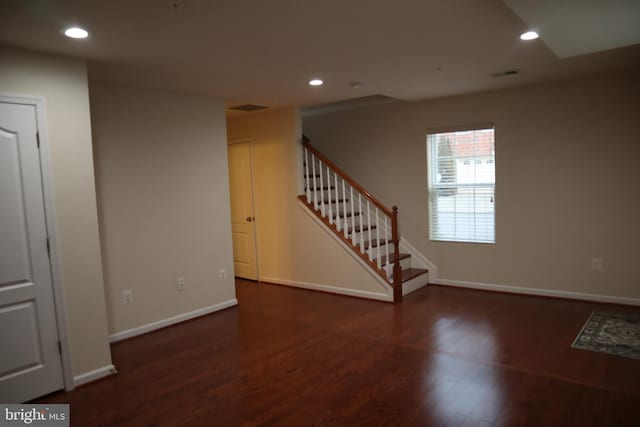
462,186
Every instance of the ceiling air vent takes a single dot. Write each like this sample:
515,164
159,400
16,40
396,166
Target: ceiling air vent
248,107
505,73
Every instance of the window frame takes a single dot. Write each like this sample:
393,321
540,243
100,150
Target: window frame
432,162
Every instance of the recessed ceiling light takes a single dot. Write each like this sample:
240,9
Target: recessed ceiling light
529,35
76,33
316,82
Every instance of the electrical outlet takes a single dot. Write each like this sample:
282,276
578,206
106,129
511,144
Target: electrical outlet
222,274
127,296
180,283
596,264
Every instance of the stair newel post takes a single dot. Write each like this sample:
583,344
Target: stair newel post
353,219
378,254
344,207
369,224
306,173
322,206
361,222
329,196
397,270
386,248
338,221
315,185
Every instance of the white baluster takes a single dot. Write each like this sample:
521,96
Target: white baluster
353,219
361,222
378,254
369,223
338,221
306,172
322,206
315,185
386,248
344,206
329,196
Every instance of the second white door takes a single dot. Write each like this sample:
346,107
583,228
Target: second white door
242,213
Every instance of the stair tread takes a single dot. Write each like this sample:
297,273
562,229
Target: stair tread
357,229
318,188
348,214
383,259
333,201
411,273
374,244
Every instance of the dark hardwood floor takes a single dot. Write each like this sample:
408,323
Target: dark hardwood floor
291,357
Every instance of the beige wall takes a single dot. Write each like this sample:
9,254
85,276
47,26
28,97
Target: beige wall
163,196
291,246
63,83
567,172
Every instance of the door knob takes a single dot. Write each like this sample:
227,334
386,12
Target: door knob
250,218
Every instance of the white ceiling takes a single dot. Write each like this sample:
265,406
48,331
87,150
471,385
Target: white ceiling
579,27
265,51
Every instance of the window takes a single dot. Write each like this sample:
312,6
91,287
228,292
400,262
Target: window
462,199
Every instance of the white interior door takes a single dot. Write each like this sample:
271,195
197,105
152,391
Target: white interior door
30,363
242,214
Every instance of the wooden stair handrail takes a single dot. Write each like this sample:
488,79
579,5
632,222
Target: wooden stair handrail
343,175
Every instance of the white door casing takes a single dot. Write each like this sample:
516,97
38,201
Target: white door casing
30,360
242,210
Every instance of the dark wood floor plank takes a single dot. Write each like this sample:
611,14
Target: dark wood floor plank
291,357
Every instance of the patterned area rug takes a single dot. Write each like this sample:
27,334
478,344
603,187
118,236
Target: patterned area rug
613,333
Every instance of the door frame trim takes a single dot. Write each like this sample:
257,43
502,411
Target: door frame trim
256,239
40,105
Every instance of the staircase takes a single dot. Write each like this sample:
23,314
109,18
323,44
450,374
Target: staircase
362,222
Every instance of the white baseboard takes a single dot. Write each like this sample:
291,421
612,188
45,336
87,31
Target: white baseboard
538,292
139,330
94,375
330,289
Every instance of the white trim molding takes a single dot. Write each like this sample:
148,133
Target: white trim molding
331,289
149,327
538,292
94,375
